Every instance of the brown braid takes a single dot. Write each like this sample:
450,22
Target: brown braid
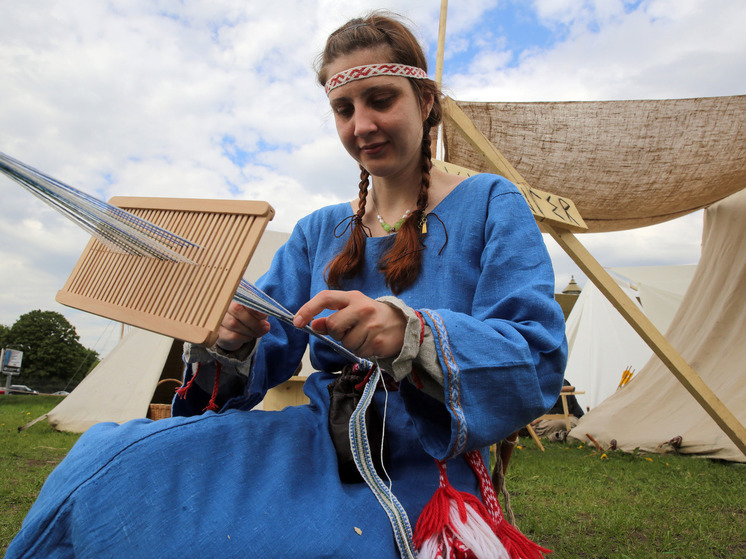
401,265
350,260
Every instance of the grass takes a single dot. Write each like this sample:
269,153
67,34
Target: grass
574,499
26,458
585,503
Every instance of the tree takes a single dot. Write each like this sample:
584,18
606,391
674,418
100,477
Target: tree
4,330
52,354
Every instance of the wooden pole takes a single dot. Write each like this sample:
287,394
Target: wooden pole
439,69
441,42
685,374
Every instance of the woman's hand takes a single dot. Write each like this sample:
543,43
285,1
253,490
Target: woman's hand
363,325
240,325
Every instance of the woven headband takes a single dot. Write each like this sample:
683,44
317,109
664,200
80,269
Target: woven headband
372,70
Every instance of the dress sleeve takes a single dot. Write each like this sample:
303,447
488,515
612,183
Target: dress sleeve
503,363
241,379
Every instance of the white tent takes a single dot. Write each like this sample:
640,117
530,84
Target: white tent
122,386
660,289
126,381
709,331
602,344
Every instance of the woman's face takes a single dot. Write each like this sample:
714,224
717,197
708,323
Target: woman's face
379,119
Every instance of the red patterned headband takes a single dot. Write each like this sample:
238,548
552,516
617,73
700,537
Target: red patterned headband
372,70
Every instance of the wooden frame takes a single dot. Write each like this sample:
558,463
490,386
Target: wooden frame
186,301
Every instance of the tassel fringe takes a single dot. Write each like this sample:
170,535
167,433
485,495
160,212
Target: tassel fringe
456,525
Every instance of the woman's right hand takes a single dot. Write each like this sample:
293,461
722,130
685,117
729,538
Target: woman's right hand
240,326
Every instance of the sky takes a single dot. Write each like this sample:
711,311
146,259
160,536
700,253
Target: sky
218,99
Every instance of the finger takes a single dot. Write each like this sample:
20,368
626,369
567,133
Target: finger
355,339
319,325
239,326
244,314
354,316
332,300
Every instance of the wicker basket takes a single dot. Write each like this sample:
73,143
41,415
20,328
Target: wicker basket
159,411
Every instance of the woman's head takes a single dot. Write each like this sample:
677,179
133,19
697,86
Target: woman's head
387,35
367,48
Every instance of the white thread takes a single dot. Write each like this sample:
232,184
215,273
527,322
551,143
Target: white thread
383,426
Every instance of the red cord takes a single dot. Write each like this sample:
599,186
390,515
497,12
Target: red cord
182,392
422,326
213,406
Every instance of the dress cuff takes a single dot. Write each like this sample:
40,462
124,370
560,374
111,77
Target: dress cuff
429,376
239,360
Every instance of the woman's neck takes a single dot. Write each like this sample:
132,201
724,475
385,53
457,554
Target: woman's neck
391,200
394,199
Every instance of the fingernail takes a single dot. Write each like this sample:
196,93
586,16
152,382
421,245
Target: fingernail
297,320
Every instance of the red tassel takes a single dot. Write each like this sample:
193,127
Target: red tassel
456,525
212,405
517,545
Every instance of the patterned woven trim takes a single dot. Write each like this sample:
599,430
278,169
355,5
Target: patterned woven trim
372,70
452,380
364,462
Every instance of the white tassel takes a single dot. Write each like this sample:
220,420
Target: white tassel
476,534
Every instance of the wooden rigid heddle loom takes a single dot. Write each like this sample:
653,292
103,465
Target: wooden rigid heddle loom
168,265
183,300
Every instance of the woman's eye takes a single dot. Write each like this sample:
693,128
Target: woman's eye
343,111
383,102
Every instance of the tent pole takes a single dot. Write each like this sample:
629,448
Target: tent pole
434,134
441,42
685,374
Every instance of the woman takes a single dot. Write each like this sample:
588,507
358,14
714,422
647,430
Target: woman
445,283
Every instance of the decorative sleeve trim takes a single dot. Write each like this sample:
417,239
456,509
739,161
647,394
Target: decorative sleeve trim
452,381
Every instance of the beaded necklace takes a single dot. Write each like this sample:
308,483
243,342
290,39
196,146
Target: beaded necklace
386,227
395,227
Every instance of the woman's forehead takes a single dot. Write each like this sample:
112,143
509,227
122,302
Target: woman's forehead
359,57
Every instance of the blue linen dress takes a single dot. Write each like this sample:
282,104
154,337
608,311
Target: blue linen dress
243,483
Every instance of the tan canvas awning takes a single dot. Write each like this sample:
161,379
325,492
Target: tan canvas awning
625,164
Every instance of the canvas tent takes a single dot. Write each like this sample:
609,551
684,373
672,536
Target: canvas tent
127,380
624,164
660,289
601,344
620,165
708,330
123,384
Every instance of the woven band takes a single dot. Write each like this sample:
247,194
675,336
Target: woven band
372,70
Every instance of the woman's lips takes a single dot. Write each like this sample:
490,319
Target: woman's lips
372,149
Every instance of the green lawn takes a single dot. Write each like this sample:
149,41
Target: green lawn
574,499
581,502
26,458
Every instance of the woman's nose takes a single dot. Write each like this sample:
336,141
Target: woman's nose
364,122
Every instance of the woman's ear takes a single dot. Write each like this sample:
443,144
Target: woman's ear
427,104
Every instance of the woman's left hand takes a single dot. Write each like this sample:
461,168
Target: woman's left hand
363,325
